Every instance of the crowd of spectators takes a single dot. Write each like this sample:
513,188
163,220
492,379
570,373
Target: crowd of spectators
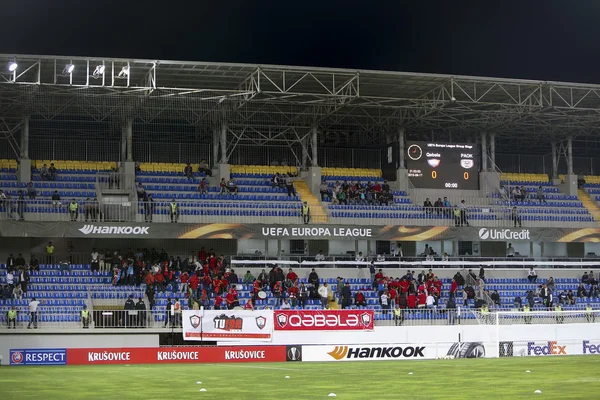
444,209
357,193
17,276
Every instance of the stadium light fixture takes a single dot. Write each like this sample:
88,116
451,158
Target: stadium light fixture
124,72
68,70
99,71
12,66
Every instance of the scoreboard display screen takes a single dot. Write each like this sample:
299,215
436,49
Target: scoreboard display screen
443,165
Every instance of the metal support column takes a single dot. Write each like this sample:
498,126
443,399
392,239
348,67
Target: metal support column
493,150
554,161
304,151
570,155
224,128
25,139
124,141
215,159
129,138
401,132
313,143
484,151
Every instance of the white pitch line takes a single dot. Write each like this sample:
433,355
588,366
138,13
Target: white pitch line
255,367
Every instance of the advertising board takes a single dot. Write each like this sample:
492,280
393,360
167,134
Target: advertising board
38,356
231,325
324,320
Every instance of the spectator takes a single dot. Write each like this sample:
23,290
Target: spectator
496,298
585,278
289,184
56,199
248,278
463,213
44,173
581,292
188,171
203,168
21,205
33,317
427,207
359,299
324,190
34,264
31,192
517,302
550,283
305,213
203,186
430,301
174,211
380,258
88,208
384,300
324,294
141,192
540,195
222,186
531,275
320,256
73,210
232,187
137,167
313,278
302,295
52,172
17,293
482,274
516,217
510,251
438,205
285,305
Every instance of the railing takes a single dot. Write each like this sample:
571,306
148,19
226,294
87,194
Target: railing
116,181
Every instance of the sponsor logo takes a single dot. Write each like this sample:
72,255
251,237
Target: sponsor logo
365,318
503,234
466,350
114,230
282,320
506,349
384,352
333,321
177,355
316,232
228,323
293,353
590,348
245,355
433,162
552,348
261,322
16,357
195,321
38,357
109,356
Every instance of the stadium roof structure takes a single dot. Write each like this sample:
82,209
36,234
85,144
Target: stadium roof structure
270,103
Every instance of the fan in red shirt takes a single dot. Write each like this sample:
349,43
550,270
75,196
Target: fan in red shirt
359,299
291,275
194,282
422,299
404,285
218,301
293,294
217,286
212,262
149,279
160,280
224,284
202,255
231,300
411,301
379,275
393,294
206,281
453,288
249,305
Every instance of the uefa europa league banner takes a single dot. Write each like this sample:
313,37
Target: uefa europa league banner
228,325
132,230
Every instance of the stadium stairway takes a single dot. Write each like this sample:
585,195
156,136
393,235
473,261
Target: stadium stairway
590,204
317,213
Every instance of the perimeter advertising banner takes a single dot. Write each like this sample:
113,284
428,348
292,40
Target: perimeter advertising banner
324,320
259,231
231,325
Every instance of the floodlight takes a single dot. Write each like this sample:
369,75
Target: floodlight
12,66
68,69
99,71
124,72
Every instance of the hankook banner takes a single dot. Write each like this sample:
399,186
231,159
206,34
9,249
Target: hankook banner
258,231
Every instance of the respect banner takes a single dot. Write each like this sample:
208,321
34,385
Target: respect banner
231,325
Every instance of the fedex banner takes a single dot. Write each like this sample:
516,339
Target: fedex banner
142,355
231,325
324,320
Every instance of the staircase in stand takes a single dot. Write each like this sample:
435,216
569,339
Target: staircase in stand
590,204
317,214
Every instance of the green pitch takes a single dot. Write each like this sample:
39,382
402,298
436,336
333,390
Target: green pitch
557,377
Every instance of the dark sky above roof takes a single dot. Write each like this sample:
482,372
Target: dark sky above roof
545,40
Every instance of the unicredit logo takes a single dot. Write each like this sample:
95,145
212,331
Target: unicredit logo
503,234
114,230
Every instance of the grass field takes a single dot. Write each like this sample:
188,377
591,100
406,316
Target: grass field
557,377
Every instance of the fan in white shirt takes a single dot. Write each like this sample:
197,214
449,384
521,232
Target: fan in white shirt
380,257
430,301
320,256
360,257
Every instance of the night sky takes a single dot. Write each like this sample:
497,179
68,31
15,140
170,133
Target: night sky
544,40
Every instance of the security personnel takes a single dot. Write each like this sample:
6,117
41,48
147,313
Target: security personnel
589,314
11,317
140,306
560,318
85,317
527,311
174,211
485,312
398,316
305,213
73,210
129,306
457,220
50,253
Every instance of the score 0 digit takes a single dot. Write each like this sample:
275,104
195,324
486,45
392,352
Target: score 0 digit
433,174
466,176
